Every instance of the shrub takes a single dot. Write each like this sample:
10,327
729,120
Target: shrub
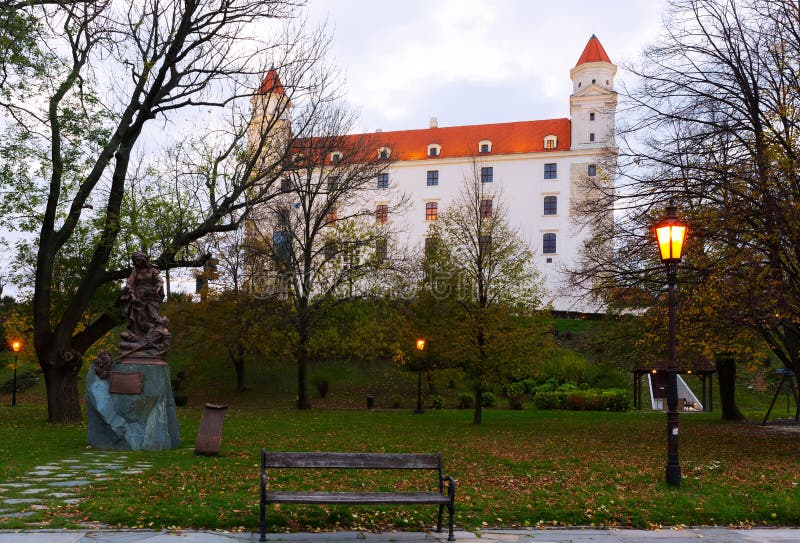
584,401
465,401
550,400
515,392
436,401
488,399
616,400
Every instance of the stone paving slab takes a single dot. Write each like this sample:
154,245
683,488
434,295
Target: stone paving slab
689,535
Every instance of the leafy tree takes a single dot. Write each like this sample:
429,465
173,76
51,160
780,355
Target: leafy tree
479,274
714,127
84,101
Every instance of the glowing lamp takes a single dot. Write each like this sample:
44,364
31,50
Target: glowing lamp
670,233
16,345
420,344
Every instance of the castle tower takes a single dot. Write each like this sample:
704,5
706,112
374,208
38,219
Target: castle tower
271,114
593,102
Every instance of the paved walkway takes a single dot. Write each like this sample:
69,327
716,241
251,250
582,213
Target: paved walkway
58,484
688,535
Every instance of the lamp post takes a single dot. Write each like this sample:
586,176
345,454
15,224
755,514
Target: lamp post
420,348
15,346
670,234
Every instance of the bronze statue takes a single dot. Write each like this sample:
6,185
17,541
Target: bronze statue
147,334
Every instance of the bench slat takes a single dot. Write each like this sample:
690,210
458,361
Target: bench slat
350,460
357,497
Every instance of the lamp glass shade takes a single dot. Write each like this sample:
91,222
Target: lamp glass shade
16,345
420,344
670,241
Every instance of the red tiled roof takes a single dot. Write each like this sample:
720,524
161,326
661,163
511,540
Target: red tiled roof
272,84
593,52
462,141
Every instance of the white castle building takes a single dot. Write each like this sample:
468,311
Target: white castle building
539,168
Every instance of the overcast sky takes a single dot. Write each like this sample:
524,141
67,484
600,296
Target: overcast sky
469,61
473,61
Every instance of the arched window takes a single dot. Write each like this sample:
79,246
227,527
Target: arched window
485,147
550,142
434,150
549,243
336,157
384,153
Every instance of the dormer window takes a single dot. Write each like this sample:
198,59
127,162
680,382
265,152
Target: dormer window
484,147
336,157
384,153
550,142
434,150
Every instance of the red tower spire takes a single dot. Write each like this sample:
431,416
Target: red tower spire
593,52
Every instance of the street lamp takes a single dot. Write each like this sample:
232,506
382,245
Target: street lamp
420,348
15,346
670,234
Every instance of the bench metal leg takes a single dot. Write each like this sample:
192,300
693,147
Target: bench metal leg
439,522
451,510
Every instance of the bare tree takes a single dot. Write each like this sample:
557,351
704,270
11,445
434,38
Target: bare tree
111,70
713,124
319,241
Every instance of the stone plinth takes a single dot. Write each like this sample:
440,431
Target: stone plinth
129,420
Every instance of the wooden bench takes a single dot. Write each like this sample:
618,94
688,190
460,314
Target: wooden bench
329,460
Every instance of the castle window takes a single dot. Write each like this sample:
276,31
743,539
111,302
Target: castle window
591,116
487,174
384,153
381,249
329,250
331,215
333,182
594,81
484,147
383,180
433,178
549,243
431,211
550,142
485,244
551,170
550,205
434,150
591,136
336,157
382,213
430,246
486,208
592,170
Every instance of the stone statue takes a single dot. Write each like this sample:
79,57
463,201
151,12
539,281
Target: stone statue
129,401
147,334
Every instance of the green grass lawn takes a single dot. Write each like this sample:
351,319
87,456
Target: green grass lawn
520,468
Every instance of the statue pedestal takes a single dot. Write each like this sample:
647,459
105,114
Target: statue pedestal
133,409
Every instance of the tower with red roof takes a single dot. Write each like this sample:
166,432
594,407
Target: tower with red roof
593,103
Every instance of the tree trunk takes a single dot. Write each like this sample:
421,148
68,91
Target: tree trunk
431,383
726,375
476,418
303,399
238,367
61,381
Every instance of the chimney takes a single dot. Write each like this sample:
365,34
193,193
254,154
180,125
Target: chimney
434,123
378,130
